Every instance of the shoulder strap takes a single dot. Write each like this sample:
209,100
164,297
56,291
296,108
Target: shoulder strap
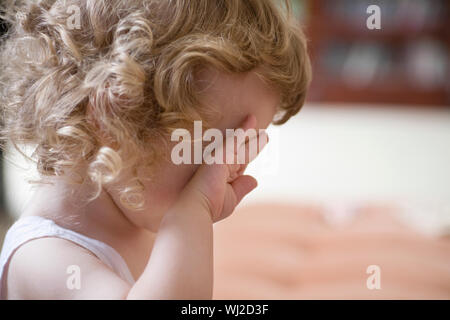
33,227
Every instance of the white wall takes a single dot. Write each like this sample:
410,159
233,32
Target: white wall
353,153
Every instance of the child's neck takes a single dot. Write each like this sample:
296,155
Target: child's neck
100,219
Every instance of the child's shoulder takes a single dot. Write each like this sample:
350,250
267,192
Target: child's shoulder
38,268
56,268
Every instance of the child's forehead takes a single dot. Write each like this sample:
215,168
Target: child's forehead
232,86
237,95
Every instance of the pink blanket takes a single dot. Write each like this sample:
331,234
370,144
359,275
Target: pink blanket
291,252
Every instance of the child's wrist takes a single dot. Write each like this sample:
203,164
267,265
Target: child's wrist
191,204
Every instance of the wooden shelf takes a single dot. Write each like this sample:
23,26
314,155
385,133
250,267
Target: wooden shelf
379,93
396,87
338,29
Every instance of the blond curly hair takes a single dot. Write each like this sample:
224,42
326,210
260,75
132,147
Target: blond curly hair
131,66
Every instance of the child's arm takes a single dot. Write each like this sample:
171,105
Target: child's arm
180,266
181,263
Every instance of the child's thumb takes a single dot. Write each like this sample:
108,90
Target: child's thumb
242,186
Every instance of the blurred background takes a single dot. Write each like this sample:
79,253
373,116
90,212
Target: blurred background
376,125
360,177
405,62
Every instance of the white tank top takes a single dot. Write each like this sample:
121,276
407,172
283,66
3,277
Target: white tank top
33,227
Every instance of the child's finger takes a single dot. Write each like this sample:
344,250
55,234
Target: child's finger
242,186
231,141
233,170
249,150
249,122
242,169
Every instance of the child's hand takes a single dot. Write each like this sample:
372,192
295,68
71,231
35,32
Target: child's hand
220,187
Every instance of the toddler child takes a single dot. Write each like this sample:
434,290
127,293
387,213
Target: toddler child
97,87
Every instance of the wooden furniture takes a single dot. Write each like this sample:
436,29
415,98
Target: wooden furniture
406,62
